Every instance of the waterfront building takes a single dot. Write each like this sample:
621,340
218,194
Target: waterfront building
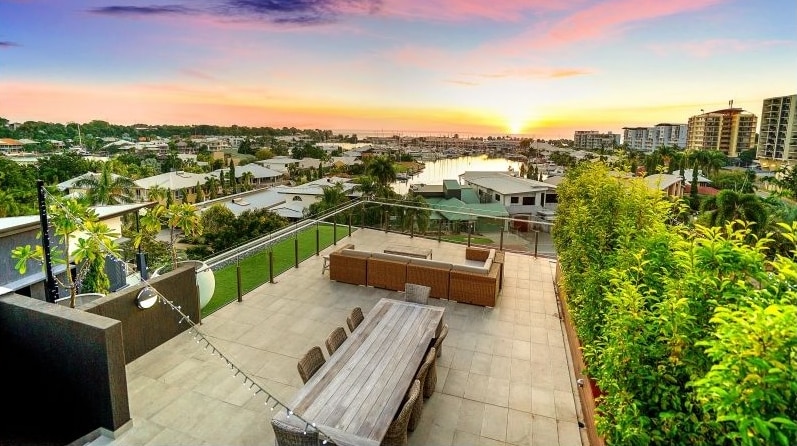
777,142
592,140
648,139
730,130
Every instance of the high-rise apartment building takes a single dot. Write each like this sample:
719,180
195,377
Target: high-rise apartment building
592,140
777,141
731,131
648,139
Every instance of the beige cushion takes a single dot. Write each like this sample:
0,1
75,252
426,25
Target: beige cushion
470,269
393,257
430,263
353,253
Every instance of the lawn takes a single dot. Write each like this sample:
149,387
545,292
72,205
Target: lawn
254,269
464,239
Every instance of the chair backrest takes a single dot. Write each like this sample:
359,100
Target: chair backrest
289,435
335,340
424,368
418,294
438,343
403,417
310,363
355,318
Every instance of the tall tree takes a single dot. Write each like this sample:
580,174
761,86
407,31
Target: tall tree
105,188
233,185
729,205
382,169
710,161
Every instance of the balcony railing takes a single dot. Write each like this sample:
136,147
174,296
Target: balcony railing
243,268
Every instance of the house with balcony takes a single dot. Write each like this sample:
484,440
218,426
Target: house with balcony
523,198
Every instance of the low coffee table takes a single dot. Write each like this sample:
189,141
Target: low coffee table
410,251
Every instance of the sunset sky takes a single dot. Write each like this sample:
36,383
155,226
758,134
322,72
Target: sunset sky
539,68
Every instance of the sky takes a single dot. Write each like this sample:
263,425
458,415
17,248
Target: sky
535,68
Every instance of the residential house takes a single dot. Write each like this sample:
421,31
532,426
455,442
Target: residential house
670,184
521,196
181,184
8,146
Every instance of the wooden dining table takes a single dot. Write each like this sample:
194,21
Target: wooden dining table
355,395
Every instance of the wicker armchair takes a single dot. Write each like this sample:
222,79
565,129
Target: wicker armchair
310,363
438,343
423,371
355,318
396,434
418,294
335,340
288,435
431,374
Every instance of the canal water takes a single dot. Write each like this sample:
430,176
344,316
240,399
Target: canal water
435,172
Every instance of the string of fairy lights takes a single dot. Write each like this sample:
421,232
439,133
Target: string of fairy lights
272,402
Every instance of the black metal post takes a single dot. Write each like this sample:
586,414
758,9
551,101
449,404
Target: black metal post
51,286
238,275
387,222
501,244
317,239
362,214
296,251
350,214
334,231
141,257
536,239
412,225
439,230
271,265
470,229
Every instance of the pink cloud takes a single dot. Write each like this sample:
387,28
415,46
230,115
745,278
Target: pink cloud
456,10
537,73
598,22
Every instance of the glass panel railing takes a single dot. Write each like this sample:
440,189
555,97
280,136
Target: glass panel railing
245,268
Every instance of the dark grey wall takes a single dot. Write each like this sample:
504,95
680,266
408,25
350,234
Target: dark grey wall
146,329
63,369
63,372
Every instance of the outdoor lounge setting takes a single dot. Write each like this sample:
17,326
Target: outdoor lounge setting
502,376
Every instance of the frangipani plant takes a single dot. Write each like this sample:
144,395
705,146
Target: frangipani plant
183,216
72,221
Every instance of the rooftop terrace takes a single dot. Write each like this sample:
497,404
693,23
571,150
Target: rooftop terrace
503,377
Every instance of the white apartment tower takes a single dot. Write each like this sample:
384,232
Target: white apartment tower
648,139
592,140
777,141
731,131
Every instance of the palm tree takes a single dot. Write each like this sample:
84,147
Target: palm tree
333,197
382,169
183,216
68,218
8,204
106,188
729,205
412,216
156,193
710,160
212,183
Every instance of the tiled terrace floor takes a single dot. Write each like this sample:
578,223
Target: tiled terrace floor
503,377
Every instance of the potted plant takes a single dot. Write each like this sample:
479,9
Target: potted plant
84,240
185,218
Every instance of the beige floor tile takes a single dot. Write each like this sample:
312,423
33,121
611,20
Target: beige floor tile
456,383
476,388
542,402
471,415
520,396
481,363
544,431
518,427
494,422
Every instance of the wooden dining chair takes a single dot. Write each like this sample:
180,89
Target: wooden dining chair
418,294
396,434
335,340
288,435
310,363
355,318
423,372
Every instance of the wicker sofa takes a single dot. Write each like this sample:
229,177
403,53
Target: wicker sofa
477,281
